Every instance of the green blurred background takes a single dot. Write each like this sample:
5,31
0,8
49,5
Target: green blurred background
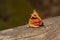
14,13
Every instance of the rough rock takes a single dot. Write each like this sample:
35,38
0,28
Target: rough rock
50,31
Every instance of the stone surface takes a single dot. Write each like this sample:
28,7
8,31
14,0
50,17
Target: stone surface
50,31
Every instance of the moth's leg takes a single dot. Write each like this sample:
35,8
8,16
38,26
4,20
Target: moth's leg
42,24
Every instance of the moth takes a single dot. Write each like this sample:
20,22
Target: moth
35,20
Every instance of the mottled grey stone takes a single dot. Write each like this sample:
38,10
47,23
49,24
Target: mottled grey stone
50,31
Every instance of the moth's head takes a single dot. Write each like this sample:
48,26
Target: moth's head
34,14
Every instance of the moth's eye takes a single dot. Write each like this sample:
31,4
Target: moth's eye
34,15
